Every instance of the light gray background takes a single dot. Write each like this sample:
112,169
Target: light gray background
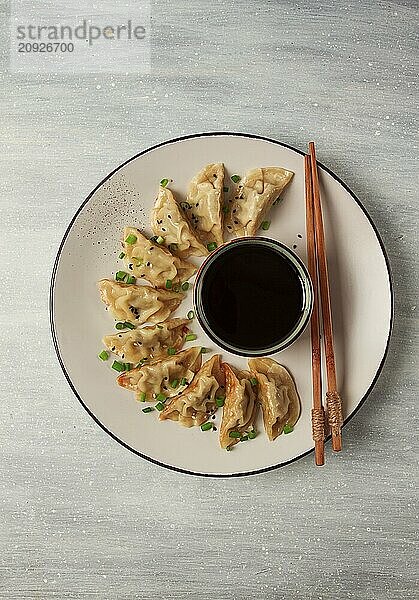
81,516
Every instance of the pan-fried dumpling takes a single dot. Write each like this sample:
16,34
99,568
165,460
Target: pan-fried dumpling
148,260
240,406
148,342
277,394
138,304
159,376
198,402
204,204
254,197
169,222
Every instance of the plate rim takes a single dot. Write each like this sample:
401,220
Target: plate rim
52,291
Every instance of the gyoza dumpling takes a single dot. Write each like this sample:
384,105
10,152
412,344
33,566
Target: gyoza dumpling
148,342
162,376
148,260
169,222
240,406
138,304
198,402
254,197
277,394
204,204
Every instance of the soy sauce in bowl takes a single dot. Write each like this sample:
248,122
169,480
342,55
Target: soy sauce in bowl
253,296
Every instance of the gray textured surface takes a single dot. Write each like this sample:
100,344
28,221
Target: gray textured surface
81,516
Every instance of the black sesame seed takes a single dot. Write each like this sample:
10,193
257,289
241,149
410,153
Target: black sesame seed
169,216
163,229
294,246
300,236
113,349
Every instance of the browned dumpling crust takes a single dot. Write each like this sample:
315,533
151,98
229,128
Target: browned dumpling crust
198,402
240,406
150,342
149,260
258,190
157,376
138,304
170,222
277,394
204,204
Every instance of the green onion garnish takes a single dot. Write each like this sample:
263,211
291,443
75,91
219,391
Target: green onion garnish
159,406
288,428
220,401
254,381
127,366
160,240
119,326
169,284
164,182
142,397
211,246
235,178
131,279
129,325
148,409
172,247
120,275
185,286
174,383
190,337
205,350
118,366
206,426
140,261
183,381
131,239
171,351
103,355
265,225
235,434
121,255
124,325
225,189
252,434
161,398
244,438
190,315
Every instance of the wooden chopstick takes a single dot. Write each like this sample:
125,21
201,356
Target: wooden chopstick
333,400
317,413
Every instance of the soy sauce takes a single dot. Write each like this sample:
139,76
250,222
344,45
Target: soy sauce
252,296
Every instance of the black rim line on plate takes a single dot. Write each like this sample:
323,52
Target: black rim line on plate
54,272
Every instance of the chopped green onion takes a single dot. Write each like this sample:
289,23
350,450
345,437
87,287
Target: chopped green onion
171,351
119,326
160,240
148,409
154,238
288,428
174,383
244,438
161,398
252,434
131,279
205,350
124,325
225,189
172,247
190,337
159,406
235,434
183,381
254,381
235,178
118,366
142,397
140,261
120,275
131,239
129,325
169,284
127,366
265,225
185,205
220,401
121,255
190,315
225,209
185,286
104,355
211,246
206,426
164,182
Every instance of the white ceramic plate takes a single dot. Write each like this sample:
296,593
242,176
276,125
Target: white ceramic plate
361,293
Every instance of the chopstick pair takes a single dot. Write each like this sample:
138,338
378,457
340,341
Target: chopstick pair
317,266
